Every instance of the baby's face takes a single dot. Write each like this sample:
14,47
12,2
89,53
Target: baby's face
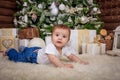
60,37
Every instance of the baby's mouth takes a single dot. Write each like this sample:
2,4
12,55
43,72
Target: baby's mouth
59,42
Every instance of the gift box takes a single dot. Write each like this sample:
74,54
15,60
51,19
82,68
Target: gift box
78,37
24,42
81,36
28,33
7,42
93,48
8,32
109,43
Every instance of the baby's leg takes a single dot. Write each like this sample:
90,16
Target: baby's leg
4,52
31,54
13,55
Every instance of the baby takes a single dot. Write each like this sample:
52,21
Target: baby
50,53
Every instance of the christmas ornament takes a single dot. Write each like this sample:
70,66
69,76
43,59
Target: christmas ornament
26,18
25,4
60,22
40,6
52,18
15,22
84,19
95,9
69,19
34,17
62,7
54,9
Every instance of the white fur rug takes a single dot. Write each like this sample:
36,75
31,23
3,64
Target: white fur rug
101,67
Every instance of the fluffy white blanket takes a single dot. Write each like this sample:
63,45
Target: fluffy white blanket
101,67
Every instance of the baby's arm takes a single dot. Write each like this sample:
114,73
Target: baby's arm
56,62
76,59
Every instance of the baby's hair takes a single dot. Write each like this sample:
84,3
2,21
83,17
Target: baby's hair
61,26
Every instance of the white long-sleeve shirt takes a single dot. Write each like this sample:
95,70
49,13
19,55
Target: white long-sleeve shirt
42,57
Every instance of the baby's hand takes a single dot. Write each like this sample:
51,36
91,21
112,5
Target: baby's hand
36,50
83,62
68,65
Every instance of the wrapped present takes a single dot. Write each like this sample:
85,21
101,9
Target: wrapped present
78,37
47,39
93,48
7,42
28,33
24,42
103,48
8,32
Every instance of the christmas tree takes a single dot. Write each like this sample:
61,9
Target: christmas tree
77,14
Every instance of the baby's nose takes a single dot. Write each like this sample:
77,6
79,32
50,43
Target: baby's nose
60,37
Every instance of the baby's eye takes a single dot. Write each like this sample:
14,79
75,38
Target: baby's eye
57,34
64,36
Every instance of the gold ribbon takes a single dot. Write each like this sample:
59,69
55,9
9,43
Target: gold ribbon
83,36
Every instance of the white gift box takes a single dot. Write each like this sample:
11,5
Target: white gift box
7,42
78,37
81,36
47,39
93,48
103,48
9,32
24,42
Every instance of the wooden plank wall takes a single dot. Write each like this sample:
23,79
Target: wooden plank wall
110,13
7,10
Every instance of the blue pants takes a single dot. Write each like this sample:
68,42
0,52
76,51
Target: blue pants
27,55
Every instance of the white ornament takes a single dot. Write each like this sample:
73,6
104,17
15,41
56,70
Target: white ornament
42,29
26,18
69,19
62,7
53,5
15,21
40,6
54,9
52,18
97,26
25,4
60,22
84,19
36,42
95,9
23,11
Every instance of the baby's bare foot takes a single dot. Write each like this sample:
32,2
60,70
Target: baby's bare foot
4,53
